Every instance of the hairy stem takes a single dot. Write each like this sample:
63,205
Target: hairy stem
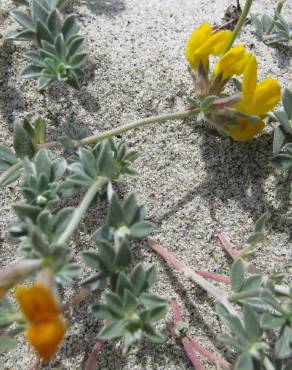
81,210
76,300
184,339
5,175
133,125
240,23
220,295
278,10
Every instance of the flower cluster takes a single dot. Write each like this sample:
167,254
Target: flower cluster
240,116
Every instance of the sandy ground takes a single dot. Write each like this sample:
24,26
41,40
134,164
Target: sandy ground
194,183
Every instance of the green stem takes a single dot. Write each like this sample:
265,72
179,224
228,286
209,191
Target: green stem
5,175
81,210
240,23
278,10
133,125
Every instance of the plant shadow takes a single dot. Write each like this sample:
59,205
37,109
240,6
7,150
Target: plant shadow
239,171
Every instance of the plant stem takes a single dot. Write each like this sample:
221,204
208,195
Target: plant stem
133,125
5,175
81,210
184,339
211,276
240,23
278,10
220,295
91,362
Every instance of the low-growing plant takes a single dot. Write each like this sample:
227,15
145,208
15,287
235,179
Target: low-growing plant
256,308
273,30
59,55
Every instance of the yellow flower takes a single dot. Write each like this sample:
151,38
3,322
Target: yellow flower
258,98
204,43
46,329
232,63
245,130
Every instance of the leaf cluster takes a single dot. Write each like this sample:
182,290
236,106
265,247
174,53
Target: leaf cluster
273,30
59,55
129,308
263,335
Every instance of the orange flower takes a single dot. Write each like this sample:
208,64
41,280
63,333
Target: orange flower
46,329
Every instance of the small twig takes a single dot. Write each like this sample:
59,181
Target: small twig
184,339
217,293
91,362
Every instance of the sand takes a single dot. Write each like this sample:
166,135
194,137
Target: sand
194,183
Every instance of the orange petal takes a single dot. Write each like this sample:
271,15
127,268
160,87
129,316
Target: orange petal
245,130
45,337
37,302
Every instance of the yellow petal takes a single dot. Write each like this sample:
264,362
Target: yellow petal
45,337
233,62
246,130
266,96
216,44
198,37
37,302
250,79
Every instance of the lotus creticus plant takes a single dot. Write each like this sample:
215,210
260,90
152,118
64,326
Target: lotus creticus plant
241,115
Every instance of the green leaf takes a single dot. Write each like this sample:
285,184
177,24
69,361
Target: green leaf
94,282
102,311
235,325
43,163
130,208
22,18
141,229
62,219
237,275
244,362
270,321
284,122
60,47
152,334
251,323
262,220
279,140
77,60
287,102
75,46
55,22
255,238
106,161
23,35
115,303
130,301
112,330
282,162
39,13
115,216
43,33
283,347
252,282
123,283
151,300
91,259
138,278
69,27
8,155
32,72
123,255
208,101
26,210
6,343
44,82
88,161
9,179
106,253
40,128
157,313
